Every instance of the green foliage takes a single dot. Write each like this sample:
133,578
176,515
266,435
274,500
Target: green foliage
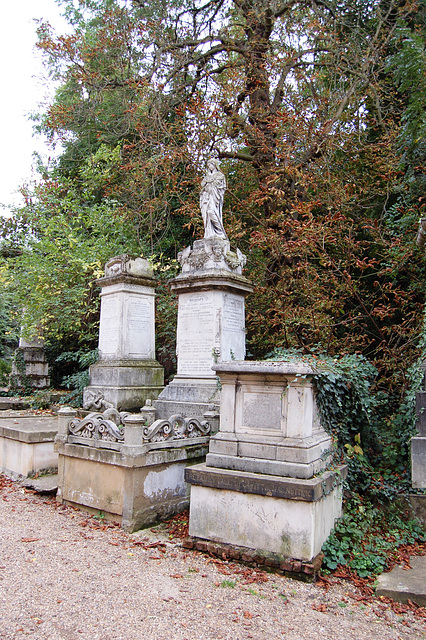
230,584
5,369
366,537
165,315
344,396
78,380
65,244
39,399
371,429
9,317
408,65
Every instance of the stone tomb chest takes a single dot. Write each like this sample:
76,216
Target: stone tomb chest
269,421
265,484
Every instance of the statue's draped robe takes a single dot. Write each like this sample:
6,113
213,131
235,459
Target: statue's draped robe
211,202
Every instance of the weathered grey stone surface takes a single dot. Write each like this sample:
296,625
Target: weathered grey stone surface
421,413
418,462
43,484
36,368
125,384
417,504
309,490
257,488
126,466
127,373
210,327
269,421
7,403
27,428
405,584
188,396
418,442
137,486
289,517
213,188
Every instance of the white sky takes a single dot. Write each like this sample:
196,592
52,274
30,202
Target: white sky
22,91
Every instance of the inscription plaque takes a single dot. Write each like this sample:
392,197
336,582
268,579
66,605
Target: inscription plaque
233,314
196,337
261,411
109,325
139,326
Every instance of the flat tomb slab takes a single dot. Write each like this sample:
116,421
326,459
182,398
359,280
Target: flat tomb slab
27,428
289,517
405,584
27,443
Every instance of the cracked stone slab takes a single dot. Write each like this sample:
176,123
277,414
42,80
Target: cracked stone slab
43,484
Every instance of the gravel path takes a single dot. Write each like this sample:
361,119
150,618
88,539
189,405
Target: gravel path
66,576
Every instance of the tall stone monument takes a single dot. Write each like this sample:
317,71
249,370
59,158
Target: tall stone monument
211,312
127,373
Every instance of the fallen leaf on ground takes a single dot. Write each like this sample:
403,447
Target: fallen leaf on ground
29,539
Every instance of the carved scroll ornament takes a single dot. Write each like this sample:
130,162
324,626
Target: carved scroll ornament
97,427
176,428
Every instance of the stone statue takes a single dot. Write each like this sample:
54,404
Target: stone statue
211,200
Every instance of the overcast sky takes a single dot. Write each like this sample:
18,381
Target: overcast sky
22,90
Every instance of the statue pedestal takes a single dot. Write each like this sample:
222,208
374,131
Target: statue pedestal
210,327
127,373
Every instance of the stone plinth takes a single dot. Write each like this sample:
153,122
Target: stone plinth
127,372
289,517
210,327
134,472
269,421
265,485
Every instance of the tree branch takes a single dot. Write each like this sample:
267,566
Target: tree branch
235,155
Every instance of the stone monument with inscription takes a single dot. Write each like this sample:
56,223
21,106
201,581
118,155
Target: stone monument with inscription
211,312
30,364
127,373
265,486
